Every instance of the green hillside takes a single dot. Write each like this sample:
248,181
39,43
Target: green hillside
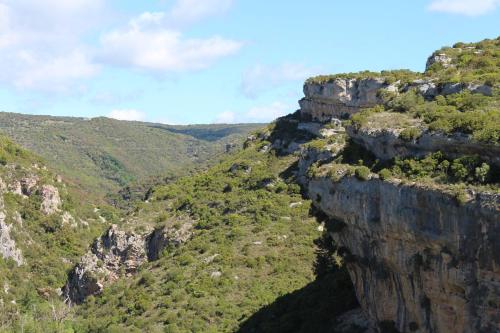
255,240
44,230
103,155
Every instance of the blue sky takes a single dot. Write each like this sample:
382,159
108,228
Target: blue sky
206,61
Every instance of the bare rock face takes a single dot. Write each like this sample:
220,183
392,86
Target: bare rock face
343,97
440,58
28,184
116,253
419,261
340,98
386,144
8,248
51,201
165,237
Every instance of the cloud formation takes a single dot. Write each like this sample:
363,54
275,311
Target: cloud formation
45,45
127,114
146,44
464,7
260,77
40,42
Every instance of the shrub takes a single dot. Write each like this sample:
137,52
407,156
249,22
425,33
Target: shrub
385,174
362,173
410,134
482,172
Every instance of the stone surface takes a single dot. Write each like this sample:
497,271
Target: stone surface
344,97
419,261
116,253
340,98
8,248
440,58
51,201
168,236
386,144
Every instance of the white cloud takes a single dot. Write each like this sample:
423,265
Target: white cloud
268,113
260,78
127,114
464,7
188,11
52,74
147,44
226,117
44,45
40,43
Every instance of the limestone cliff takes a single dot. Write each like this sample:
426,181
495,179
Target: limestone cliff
421,258
417,259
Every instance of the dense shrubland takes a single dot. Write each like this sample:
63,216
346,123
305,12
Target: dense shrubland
254,242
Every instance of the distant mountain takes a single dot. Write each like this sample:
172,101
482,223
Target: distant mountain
102,155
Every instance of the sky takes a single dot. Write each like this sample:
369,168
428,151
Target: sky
211,61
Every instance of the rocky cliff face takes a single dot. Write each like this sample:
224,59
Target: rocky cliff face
419,261
8,248
385,143
117,253
340,98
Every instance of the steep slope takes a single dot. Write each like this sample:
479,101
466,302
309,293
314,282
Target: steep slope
103,154
409,188
412,190
251,239
403,219
43,232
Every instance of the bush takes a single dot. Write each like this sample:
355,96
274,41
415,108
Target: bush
410,134
362,173
385,174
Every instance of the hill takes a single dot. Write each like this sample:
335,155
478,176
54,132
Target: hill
102,155
410,172
44,230
375,207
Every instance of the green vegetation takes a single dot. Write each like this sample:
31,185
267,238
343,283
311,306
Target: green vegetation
391,76
410,134
102,155
362,173
469,113
254,242
474,114
472,62
49,246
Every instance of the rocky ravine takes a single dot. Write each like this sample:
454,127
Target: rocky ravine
419,260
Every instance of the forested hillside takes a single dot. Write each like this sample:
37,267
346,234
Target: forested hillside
101,155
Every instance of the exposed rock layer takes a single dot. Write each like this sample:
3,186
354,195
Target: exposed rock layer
118,252
386,144
418,260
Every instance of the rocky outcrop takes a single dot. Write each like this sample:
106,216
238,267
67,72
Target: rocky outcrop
51,201
112,253
440,58
419,261
340,98
118,253
162,238
385,143
8,248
